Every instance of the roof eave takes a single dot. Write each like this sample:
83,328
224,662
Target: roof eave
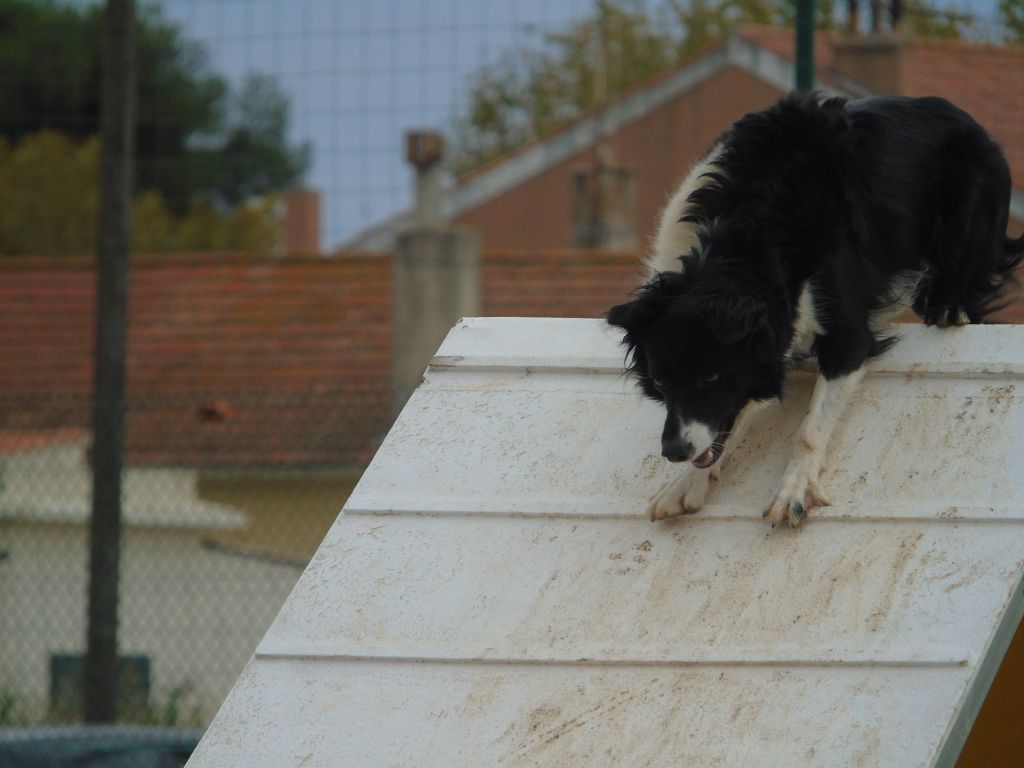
524,164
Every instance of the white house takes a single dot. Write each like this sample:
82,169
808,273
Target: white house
192,612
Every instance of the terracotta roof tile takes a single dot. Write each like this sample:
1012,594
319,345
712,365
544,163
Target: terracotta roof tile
264,362
985,79
782,42
249,361
296,354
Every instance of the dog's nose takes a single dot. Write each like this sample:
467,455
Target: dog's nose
677,450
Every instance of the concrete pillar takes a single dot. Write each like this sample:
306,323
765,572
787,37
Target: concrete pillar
436,272
604,208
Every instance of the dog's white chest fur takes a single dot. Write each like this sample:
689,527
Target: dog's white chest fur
805,323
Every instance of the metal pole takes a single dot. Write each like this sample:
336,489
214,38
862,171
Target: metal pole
117,106
896,15
805,45
852,16
876,16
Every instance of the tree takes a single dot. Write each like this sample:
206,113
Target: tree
921,19
49,185
187,121
525,93
1011,13
529,92
251,156
700,21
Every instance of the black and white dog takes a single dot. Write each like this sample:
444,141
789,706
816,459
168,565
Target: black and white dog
804,231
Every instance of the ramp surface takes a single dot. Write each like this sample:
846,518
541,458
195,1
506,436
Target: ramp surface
493,595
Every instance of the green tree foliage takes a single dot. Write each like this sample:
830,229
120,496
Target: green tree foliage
699,22
622,43
923,20
1011,14
50,196
195,140
48,183
247,158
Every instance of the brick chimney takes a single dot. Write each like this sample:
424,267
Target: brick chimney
301,228
876,59
604,205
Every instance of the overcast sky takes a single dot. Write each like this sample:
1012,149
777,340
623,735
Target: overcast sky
362,72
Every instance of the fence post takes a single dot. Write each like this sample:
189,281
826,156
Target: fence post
117,97
436,272
804,45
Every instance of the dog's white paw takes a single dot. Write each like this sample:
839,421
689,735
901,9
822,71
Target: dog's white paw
799,493
682,495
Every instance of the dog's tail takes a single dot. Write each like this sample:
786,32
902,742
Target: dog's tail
1006,274
995,286
1014,249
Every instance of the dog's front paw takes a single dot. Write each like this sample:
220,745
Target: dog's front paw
683,495
800,492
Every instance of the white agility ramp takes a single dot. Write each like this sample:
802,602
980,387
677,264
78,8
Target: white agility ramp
492,594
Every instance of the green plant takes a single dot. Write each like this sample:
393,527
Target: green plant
176,711
11,709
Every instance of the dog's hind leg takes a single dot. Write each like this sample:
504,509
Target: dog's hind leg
800,490
967,260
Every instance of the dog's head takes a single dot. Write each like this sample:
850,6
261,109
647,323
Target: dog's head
704,355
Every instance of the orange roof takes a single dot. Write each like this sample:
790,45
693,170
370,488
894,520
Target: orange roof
252,361
985,79
782,42
18,440
249,361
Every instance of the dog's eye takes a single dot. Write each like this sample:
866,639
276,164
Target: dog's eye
659,384
711,378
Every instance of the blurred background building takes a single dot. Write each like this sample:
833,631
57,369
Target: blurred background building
294,260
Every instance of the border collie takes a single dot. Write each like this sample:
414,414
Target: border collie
804,231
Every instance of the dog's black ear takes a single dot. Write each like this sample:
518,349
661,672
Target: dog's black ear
626,316
650,301
734,318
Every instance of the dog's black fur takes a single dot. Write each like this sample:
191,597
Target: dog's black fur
851,199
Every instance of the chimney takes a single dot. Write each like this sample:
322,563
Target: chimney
603,205
896,9
436,271
852,16
301,222
877,62
884,16
876,59
876,17
424,150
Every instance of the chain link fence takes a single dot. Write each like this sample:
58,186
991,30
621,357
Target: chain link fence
258,370
257,390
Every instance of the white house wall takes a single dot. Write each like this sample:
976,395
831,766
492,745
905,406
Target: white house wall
196,613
